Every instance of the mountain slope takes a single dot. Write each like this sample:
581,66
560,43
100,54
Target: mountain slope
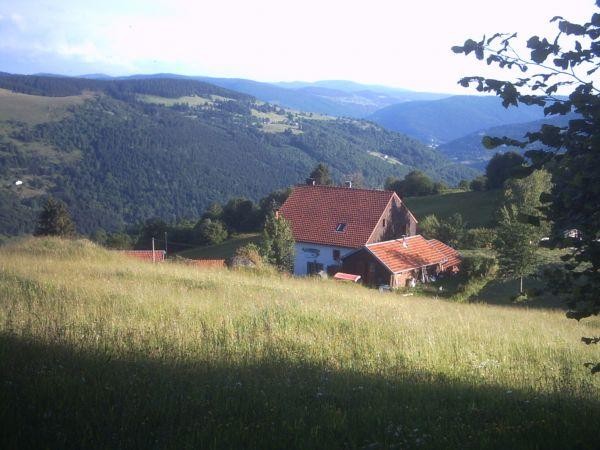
450,118
468,150
336,98
122,151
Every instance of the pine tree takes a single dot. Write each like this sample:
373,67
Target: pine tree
54,220
321,174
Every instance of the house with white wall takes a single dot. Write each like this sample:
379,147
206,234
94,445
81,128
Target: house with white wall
329,222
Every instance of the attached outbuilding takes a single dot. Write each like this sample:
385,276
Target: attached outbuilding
401,262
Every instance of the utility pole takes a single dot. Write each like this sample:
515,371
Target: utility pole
166,248
153,257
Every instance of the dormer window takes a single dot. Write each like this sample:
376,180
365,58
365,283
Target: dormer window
340,227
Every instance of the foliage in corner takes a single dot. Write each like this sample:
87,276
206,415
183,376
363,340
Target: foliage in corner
565,64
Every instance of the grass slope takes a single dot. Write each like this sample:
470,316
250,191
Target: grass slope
221,251
476,208
99,351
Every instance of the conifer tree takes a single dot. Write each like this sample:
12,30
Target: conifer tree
54,220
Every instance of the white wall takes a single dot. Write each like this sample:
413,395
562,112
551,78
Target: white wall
322,254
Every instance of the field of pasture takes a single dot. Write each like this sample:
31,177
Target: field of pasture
101,351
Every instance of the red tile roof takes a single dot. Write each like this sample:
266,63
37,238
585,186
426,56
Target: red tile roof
452,256
409,253
346,277
315,212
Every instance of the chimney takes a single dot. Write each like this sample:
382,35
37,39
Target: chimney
277,214
348,184
311,181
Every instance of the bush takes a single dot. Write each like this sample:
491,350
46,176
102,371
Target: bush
478,238
428,226
210,232
479,266
247,256
479,184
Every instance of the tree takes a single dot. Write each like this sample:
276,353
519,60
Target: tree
516,245
321,175
451,230
565,64
154,227
414,184
213,212
278,243
501,167
428,226
525,194
241,215
210,232
479,184
54,220
464,185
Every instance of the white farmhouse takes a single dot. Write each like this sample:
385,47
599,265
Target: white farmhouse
328,222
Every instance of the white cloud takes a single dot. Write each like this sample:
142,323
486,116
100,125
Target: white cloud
381,41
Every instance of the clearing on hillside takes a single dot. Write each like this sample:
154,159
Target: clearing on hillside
101,351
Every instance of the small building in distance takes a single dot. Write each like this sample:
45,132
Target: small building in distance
328,222
399,262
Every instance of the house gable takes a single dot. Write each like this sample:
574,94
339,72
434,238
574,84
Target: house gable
345,217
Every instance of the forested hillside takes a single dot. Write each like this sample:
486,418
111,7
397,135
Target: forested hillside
470,151
121,151
439,121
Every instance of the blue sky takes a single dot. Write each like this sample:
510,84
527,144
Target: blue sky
396,43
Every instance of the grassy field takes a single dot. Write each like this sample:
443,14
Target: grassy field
221,251
99,351
476,208
34,109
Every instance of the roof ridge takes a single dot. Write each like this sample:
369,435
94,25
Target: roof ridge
326,186
398,239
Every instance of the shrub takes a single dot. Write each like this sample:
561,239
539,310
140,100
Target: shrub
479,266
247,256
479,184
478,238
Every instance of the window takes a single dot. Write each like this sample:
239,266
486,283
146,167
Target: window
336,255
383,223
340,227
312,268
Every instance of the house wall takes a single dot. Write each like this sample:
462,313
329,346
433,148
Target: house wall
395,222
371,271
323,254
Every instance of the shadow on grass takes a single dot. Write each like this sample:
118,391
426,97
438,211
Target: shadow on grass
58,397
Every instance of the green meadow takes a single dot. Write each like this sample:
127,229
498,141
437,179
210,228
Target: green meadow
101,351
476,208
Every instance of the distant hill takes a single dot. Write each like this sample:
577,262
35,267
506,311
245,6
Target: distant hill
469,150
439,121
337,98
121,151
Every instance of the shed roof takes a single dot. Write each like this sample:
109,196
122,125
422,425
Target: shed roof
404,254
452,257
336,216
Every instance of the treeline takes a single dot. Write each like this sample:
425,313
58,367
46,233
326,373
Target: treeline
217,223
64,86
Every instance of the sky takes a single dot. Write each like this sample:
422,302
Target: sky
389,42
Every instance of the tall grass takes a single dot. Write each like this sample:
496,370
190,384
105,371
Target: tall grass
97,350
